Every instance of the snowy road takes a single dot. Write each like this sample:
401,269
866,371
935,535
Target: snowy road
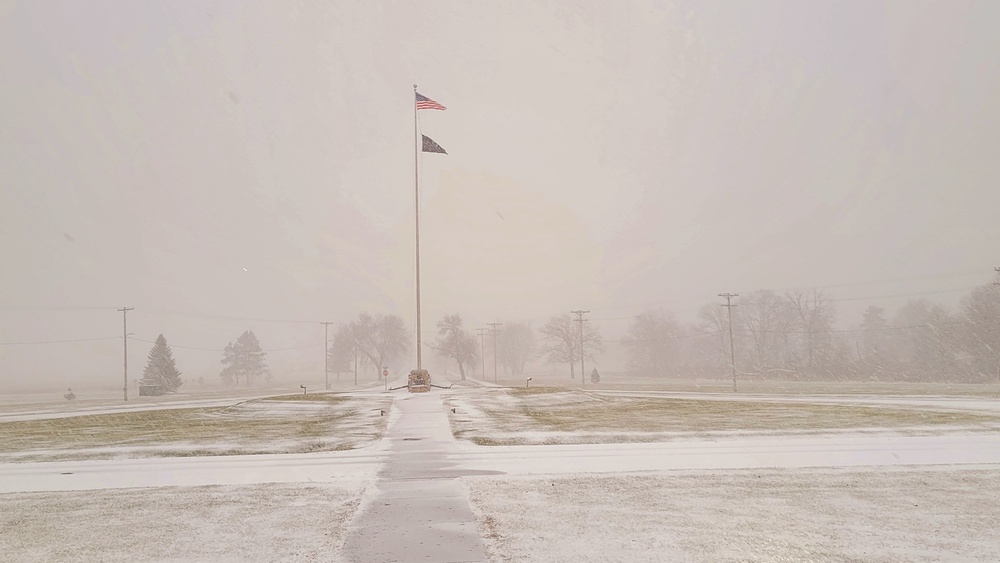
45,413
839,450
37,409
969,404
842,450
190,471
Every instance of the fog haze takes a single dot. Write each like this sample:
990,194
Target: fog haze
232,165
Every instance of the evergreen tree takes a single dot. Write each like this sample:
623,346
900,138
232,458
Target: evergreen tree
244,359
160,367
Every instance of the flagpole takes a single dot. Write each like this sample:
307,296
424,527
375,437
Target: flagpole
416,205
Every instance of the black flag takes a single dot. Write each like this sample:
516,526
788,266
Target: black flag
431,146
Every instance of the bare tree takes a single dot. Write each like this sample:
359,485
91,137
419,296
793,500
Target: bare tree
768,320
926,338
341,350
814,313
380,338
456,343
981,334
715,353
874,346
515,346
562,342
651,340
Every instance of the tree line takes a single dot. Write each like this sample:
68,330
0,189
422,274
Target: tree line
372,341
776,335
791,335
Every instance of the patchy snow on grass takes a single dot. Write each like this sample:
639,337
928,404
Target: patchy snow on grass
274,425
558,416
888,515
275,522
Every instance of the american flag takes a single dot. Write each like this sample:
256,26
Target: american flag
423,102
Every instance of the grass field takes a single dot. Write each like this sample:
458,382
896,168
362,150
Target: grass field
906,514
617,381
285,424
554,415
265,522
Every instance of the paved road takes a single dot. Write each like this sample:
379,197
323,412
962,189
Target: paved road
437,457
418,509
933,402
190,471
35,407
845,450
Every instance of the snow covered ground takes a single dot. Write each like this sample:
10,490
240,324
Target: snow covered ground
547,416
871,515
288,424
917,491
262,522
33,406
805,478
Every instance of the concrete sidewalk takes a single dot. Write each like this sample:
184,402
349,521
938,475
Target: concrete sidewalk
418,510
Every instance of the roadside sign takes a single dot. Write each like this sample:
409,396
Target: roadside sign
385,373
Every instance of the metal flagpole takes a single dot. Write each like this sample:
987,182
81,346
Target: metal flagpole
416,205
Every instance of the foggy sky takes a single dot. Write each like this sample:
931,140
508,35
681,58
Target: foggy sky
610,156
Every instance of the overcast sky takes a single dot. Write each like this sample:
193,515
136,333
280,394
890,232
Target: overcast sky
255,159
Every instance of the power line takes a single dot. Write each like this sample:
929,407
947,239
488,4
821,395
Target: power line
664,339
59,341
183,347
54,308
965,274
825,331
889,296
229,317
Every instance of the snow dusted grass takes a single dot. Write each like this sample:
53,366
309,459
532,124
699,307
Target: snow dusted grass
287,424
908,514
560,416
756,385
779,387
218,523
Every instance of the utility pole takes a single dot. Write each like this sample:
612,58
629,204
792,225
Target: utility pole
125,311
482,348
732,353
495,331
997,283
579,318
326,353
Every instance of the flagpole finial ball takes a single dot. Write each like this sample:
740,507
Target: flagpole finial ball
414,86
